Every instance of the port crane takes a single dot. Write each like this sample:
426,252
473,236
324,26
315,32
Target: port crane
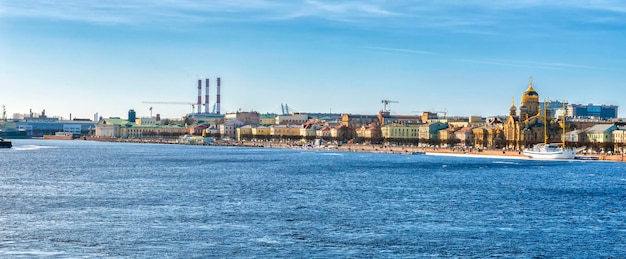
386,103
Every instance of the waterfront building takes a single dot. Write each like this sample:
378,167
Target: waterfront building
600,133
576,136
447,137
37,127
619,140
341,133
146,121
244,132
248,118
400,131
285,131
309,130
385,117
430,132
294,118
465,136
324,132
358,120
490,136
228,129
370,133
261,133
115,127
110,128
604,112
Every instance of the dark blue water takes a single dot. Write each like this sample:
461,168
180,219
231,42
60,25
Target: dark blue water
87,199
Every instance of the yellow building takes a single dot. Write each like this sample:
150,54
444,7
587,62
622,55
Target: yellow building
267,119
601,133
447,136
400,131
244,132
261,132
285,131
488,137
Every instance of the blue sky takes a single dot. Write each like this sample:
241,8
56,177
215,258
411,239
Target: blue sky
466,57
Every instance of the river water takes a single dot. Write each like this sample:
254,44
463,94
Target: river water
68,199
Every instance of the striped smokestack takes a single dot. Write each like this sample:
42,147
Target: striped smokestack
206,97
199,95
219,83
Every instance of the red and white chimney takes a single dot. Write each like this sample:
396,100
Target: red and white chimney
199,95
219,83
206,96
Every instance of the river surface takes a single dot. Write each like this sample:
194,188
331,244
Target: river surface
68,199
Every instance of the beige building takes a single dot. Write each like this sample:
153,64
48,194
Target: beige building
248,118
293,119
465,136
125,129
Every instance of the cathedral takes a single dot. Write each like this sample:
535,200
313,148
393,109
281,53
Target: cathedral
528,128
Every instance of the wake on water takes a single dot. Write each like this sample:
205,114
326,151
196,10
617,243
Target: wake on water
31,147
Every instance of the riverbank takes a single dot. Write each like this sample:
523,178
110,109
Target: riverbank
387,149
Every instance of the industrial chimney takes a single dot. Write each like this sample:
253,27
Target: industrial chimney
218,96
199,95
206,97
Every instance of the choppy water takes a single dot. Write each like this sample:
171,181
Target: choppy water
87,199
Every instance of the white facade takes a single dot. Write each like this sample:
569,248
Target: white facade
293,119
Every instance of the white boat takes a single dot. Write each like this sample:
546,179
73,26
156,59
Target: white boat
550,151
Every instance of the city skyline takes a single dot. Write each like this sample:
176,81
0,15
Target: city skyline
468,58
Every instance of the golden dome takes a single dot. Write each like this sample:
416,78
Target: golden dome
530,91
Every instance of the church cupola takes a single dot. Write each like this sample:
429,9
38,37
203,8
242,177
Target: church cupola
513,109
530,102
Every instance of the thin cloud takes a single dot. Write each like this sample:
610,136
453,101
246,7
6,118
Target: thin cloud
471,15
401,50
529,64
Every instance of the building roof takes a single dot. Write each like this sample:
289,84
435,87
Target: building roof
600,128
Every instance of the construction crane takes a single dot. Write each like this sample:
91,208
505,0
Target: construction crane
385,103
193,105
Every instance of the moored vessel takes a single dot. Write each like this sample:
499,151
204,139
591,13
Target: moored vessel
5,143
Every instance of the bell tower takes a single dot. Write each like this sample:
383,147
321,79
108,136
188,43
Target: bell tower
513,109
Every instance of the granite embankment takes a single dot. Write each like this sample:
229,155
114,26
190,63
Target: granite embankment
365,148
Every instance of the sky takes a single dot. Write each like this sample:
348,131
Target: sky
468,57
